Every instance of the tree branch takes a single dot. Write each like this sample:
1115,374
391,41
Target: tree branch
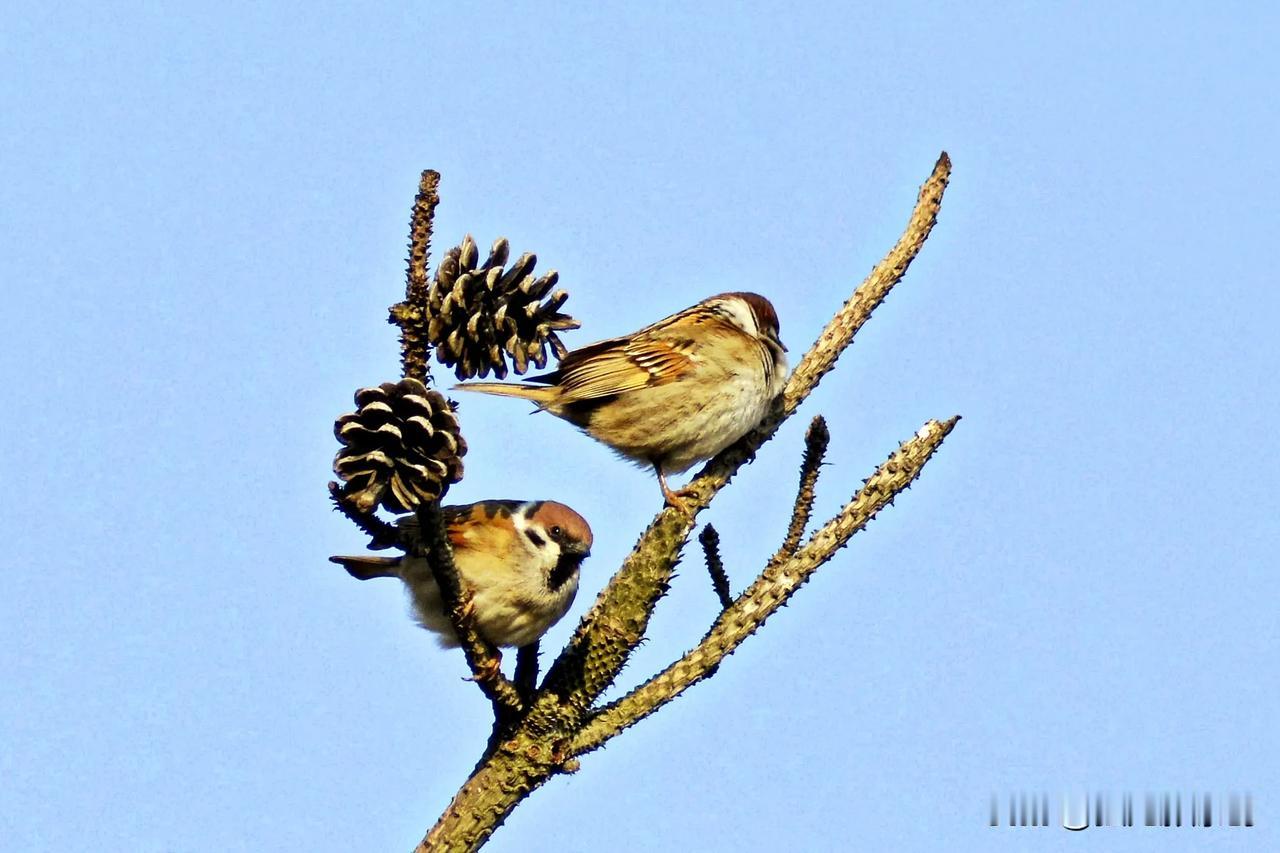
839,333
777,583
381,534
495,787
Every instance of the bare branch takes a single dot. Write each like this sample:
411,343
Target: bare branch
777,583
710,540
483,659
839,333
382,534
815,448
410,315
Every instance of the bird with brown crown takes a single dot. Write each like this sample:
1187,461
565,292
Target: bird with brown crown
673,394
519,559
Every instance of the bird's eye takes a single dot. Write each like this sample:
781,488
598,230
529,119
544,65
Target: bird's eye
557,532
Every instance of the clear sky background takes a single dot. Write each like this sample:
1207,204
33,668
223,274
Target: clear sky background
203,216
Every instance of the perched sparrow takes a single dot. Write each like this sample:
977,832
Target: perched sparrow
672,394
519,559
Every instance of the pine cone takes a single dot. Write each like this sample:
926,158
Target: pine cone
481,317
402,447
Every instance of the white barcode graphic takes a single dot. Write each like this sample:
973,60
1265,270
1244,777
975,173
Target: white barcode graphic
1078,812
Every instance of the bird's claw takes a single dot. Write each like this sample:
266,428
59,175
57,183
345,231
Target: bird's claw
488,670
678,500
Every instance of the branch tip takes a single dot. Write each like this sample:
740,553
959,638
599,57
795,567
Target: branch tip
411,314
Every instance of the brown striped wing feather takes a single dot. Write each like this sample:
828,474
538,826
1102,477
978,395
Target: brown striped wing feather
654,356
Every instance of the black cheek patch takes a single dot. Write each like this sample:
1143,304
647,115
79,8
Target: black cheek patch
537,540
564,569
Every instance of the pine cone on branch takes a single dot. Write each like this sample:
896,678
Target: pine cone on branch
402,447
482,316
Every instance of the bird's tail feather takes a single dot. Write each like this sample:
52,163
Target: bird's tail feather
540,394
365,568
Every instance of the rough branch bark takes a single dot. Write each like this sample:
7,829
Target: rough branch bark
562,720
410,314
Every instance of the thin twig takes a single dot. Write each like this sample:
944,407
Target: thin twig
815,448
483,659
382,534
526,678
710,540
777,583
410,315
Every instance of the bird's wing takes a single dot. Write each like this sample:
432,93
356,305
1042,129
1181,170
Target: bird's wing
623,364
483,528
463,523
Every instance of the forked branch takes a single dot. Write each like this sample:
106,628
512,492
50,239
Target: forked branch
562,720
779,580
616,623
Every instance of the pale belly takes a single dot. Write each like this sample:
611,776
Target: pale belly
682,423
508,612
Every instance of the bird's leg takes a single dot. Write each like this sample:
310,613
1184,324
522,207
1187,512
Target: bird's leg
675,499
487,668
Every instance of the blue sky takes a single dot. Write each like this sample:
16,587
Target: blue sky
203,221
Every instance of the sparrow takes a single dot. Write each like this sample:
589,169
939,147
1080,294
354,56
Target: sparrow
519,559
672,394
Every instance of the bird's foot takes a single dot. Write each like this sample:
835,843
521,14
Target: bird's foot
678,499
489,669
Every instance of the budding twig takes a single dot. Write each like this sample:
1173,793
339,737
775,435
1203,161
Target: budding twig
710,540
410,315
815,448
